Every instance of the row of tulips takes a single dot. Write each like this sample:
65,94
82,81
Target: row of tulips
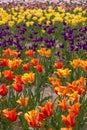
68,5
23,98
29,17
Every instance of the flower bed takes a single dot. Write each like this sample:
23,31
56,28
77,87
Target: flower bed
43,66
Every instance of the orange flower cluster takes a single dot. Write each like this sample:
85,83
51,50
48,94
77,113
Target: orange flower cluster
79,63
14,64
18,83
73,91
35,62
70,93
8,52
63,72
34,117
44,52
19,73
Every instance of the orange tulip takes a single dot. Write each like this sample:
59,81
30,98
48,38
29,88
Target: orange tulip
47,109
69,120
73,96
10,115
3,89
34,118
48,53
26,67
44,52
7,52
63,104
75,87
18,83
39,68
84,65
35,61
63,73
30,53
15,63
8,74
76,63
62,90
23,101
75,109
15,53
82,82
56,83
51,79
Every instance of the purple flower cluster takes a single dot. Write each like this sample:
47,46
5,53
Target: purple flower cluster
38,38
13,37
23,37
75,37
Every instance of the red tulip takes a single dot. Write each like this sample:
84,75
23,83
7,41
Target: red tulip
3,89
47,109
10,115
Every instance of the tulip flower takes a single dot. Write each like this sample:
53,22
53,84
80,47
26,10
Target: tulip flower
26,67
63,73
69,120
8,74
34,118
58,65
47,110
75,108
63,104
4,62
23,101
76,63
10,115
30,53
15,63
3,89
18,86
35,61
39,68
7,52
28,77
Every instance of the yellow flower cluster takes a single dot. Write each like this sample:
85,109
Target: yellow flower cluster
30,16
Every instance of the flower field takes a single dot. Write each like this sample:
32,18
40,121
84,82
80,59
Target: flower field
43,65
